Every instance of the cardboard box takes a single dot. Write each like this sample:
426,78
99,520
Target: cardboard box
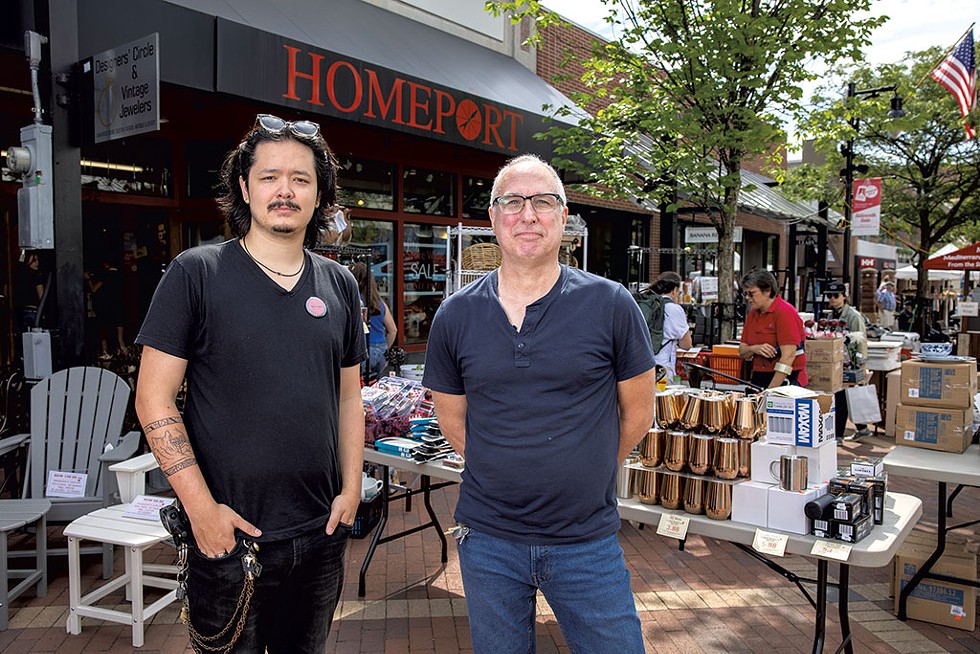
893,393
824,350
785,510
939,602
797,416
852,532
946,430
867,466
941,385
825,377
821,463
750,503
924,541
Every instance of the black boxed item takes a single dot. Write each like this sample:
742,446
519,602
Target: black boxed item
367,517
838,485
866,491
880,485
867,466
847,507
823,529
852,532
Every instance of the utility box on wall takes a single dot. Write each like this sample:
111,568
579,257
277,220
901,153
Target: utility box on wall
35,199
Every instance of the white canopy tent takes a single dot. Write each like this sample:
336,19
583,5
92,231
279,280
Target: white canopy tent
910,272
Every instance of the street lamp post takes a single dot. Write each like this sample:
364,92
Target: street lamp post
849,166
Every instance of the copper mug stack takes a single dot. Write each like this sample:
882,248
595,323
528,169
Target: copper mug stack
672,491
718,501
675,450
694,496
648,484
699,455
652,448
714,413
726,459
668,409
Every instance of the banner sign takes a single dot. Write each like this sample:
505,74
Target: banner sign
708,235
126,84
866,207
967,258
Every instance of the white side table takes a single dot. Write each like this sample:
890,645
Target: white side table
15,514
134,536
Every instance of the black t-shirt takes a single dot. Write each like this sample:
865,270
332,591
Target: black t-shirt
263,379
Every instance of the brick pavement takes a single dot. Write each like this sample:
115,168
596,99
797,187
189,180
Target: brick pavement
709,598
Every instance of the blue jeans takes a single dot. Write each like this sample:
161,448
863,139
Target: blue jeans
294,600
586,584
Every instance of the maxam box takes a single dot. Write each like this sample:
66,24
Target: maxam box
946,430
937,384
797,416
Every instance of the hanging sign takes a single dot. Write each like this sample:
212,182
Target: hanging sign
708,235
866,207
126,82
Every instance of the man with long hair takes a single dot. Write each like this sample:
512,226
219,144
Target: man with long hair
269,448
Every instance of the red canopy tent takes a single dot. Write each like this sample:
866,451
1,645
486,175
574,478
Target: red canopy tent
967,258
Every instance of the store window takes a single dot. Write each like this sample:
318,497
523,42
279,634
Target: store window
378,236
141,167
366,184
476,197
424,261
429,192
204,159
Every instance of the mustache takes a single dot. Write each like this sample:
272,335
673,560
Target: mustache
283,203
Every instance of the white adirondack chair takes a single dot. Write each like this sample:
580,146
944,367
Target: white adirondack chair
75,414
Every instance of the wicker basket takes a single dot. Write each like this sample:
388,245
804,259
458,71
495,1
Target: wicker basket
480,256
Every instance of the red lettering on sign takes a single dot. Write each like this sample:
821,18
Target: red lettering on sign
395,95
414,105
514,117
331,88
443,110
492,124
292,74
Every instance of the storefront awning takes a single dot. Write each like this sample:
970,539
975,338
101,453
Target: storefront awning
967,258
355,61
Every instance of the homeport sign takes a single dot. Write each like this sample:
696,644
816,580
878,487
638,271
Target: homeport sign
126,83
273,69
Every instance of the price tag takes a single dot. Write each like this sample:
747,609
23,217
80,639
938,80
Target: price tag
831,550
147,507
767,542
673,526
65,484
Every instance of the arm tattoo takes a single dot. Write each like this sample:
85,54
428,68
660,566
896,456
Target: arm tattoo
163,422
180,465
170,445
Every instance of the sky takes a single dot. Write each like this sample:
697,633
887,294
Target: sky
912,25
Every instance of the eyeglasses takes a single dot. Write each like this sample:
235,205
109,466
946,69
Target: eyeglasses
833,296
749,294
276,125
540,202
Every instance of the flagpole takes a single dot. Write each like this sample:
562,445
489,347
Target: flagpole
945,54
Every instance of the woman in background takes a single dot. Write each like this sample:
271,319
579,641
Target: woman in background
379,320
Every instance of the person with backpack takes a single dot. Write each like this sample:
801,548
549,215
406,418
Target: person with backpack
666,320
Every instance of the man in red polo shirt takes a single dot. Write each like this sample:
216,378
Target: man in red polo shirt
773,335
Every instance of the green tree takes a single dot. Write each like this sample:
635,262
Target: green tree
689,90
930,172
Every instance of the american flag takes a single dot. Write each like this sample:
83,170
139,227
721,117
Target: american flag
958,73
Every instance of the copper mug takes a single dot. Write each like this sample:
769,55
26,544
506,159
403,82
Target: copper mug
691,418
668,409
699,455
648,485
694,496
726,461
672,491
745,422
714,414
675,450
718,503
744,458
652,448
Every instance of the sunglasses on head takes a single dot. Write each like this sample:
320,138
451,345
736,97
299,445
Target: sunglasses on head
276,125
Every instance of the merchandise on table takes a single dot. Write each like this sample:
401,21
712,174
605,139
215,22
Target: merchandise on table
944,385
943,429
798,416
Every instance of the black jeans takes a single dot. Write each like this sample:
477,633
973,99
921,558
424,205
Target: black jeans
294,600
763,379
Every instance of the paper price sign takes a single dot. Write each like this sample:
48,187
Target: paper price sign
673,526
767,542
831,550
